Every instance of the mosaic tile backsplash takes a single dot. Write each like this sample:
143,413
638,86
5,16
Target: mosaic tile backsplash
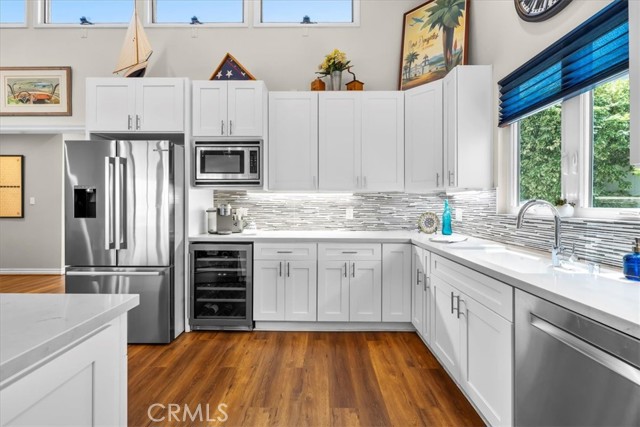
601,241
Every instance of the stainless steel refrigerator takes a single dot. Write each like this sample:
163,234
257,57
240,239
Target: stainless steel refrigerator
124,229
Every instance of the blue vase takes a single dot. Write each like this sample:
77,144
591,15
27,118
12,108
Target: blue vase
446,220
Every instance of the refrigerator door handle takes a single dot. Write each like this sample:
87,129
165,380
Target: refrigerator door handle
113,273
121,188
109,167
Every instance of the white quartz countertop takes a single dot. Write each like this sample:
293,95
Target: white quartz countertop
35,326
606,297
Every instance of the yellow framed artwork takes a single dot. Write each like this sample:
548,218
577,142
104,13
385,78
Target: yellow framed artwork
11,186
434,40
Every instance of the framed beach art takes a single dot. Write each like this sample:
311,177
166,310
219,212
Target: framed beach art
434,40
35,91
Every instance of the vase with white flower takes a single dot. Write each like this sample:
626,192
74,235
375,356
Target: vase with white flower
333,65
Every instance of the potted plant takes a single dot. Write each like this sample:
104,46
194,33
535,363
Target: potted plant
333,65
564,208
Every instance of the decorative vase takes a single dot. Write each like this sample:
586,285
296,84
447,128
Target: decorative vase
336,80
565,211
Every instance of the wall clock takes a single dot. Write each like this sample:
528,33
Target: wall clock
539,10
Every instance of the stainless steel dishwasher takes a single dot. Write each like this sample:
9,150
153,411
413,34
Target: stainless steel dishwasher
571,370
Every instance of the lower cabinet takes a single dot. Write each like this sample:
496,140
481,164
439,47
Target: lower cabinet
472,341
421,293
396,282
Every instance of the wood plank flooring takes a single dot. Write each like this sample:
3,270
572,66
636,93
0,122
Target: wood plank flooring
284,378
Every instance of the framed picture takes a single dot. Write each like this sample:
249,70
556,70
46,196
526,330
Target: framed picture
11,186
434,40
35,91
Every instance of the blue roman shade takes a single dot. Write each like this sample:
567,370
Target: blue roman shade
594,51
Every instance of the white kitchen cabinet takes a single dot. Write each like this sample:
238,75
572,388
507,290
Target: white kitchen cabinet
135,105
468,126
285,282
233,108
423,138
293,141
84,384
471,339
417,276
349,282
396,282
361,138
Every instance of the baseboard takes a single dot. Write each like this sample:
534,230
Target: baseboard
332,326
33,271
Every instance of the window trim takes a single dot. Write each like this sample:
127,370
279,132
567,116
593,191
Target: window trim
576,140
257,19
149,10
41,22
24,24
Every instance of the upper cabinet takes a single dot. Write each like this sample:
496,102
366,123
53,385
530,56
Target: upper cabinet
468,127
361,141
293,141
423,137
135,105
229,108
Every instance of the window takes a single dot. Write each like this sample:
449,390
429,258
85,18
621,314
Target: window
205,11
540,154
614,182
332,12
12,12
94,12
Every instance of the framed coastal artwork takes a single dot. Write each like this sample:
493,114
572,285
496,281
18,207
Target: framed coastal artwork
35,91
434,40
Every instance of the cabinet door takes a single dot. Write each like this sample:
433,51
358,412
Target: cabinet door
269,290
160,105
293,141
111,104
396,282
339,141
445,340
300,291
427,298
365,291
423,137
209,113
333,291
382,141
450,119
417,276
245,108
487,361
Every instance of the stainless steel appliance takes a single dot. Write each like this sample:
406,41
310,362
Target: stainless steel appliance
124,229
571,370
228,163
221,286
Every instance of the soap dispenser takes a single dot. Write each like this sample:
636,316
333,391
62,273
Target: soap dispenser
631,263
446,219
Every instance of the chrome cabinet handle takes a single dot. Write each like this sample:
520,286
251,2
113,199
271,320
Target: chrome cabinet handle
221,127
353,270
417,277
280,269
437,179
288,269
357,182
458,307
129,121
345,269
364,182
137,122
427,282
452,176
349,252
285,252
230,127
451,302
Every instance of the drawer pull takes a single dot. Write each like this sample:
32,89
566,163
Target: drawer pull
285,252
349,252
345,269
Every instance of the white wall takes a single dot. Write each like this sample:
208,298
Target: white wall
34,243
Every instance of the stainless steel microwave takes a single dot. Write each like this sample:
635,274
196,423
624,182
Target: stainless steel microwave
228,163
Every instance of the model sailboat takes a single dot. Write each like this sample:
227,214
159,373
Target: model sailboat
136,50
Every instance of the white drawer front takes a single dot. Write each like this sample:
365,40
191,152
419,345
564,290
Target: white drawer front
491,293
285,251
349,251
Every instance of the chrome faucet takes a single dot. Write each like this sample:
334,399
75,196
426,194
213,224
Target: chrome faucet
556,250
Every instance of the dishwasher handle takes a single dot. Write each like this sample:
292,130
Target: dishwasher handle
591,351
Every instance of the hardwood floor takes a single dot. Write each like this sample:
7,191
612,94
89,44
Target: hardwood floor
284,378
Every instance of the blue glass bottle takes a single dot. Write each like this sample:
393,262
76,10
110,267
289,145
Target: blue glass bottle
631,263
446,219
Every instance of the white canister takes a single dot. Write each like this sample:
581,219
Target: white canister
212,220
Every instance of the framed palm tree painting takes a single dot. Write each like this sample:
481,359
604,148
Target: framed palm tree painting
434,40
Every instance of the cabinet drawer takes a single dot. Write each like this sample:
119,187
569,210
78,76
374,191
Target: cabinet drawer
491,293
350,251
285,251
